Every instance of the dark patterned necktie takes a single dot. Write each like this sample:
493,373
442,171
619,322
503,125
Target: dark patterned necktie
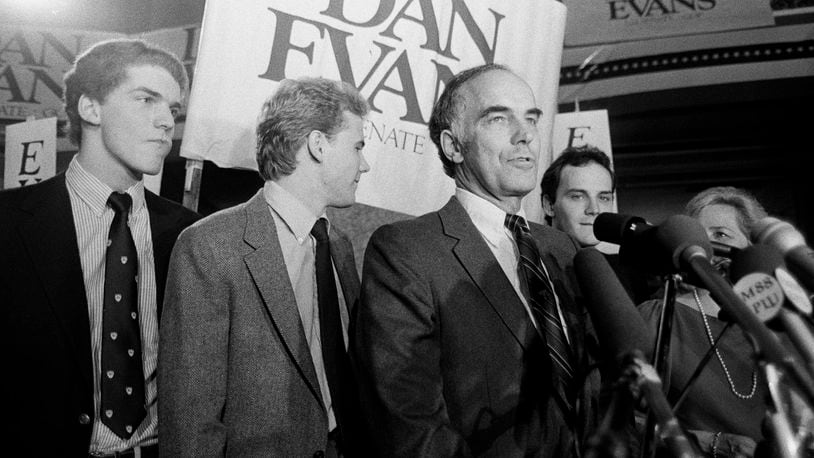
542,302
334,355
122,372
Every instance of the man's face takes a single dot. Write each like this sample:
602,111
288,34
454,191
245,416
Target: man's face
137,120
344,163
582,194
499,140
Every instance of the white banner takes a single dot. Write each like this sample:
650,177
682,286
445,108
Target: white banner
31,152
607,21
32,64
397,52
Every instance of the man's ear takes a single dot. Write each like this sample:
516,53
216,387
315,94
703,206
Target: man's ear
89,110
451,147
316,141
548,207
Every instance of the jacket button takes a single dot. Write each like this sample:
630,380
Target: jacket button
84,419
319,454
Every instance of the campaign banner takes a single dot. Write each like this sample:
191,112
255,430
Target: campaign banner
33,61
31,152
398,53
608,21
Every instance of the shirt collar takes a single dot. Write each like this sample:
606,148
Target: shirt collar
95,193
291,210
487,217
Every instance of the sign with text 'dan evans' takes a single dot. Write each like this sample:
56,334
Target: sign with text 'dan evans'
31,152
398,53
609,21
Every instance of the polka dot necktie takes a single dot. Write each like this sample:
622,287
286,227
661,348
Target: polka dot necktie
542,303
122,408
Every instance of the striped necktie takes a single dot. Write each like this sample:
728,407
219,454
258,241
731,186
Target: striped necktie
542,302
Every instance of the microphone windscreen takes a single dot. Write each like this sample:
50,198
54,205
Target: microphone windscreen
755,259
619,326
614,227
722,249
777,233
679,232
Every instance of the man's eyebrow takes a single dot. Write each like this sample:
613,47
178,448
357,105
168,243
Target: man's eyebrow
493,109
535,111
148,91
156,94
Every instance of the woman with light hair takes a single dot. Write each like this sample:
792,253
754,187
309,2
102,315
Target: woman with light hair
724,408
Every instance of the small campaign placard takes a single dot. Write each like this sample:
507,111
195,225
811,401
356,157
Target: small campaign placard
31,153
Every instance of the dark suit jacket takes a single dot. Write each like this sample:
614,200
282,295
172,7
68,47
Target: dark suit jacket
448,360
44,315
235,373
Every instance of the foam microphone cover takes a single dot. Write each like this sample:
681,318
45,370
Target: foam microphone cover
777,233
679,232
615,227
619,326
756,258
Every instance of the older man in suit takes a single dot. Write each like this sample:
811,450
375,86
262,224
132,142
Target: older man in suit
468,340
254,334
85,250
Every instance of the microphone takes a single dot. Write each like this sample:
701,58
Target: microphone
651,247
619,326
757,271
791,243
625,337
682,237
618,228
722,249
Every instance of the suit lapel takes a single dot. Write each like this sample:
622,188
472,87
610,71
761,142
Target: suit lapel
49,235
163,229
267,267
475,256
342,255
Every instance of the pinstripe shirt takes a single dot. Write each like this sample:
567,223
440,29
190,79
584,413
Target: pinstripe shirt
92,218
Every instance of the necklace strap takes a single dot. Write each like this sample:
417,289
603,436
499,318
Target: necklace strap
718,353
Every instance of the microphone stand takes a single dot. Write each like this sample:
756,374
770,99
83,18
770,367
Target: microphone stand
701,365
661,358
785,441
642,379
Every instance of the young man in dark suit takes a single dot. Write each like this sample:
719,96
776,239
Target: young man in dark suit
254,334
576,187
88,247
468,339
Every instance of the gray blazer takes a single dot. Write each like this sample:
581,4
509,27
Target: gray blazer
235,373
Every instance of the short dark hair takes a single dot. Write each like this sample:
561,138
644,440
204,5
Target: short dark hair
448,107
297,108
103,67
575,156
748,207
